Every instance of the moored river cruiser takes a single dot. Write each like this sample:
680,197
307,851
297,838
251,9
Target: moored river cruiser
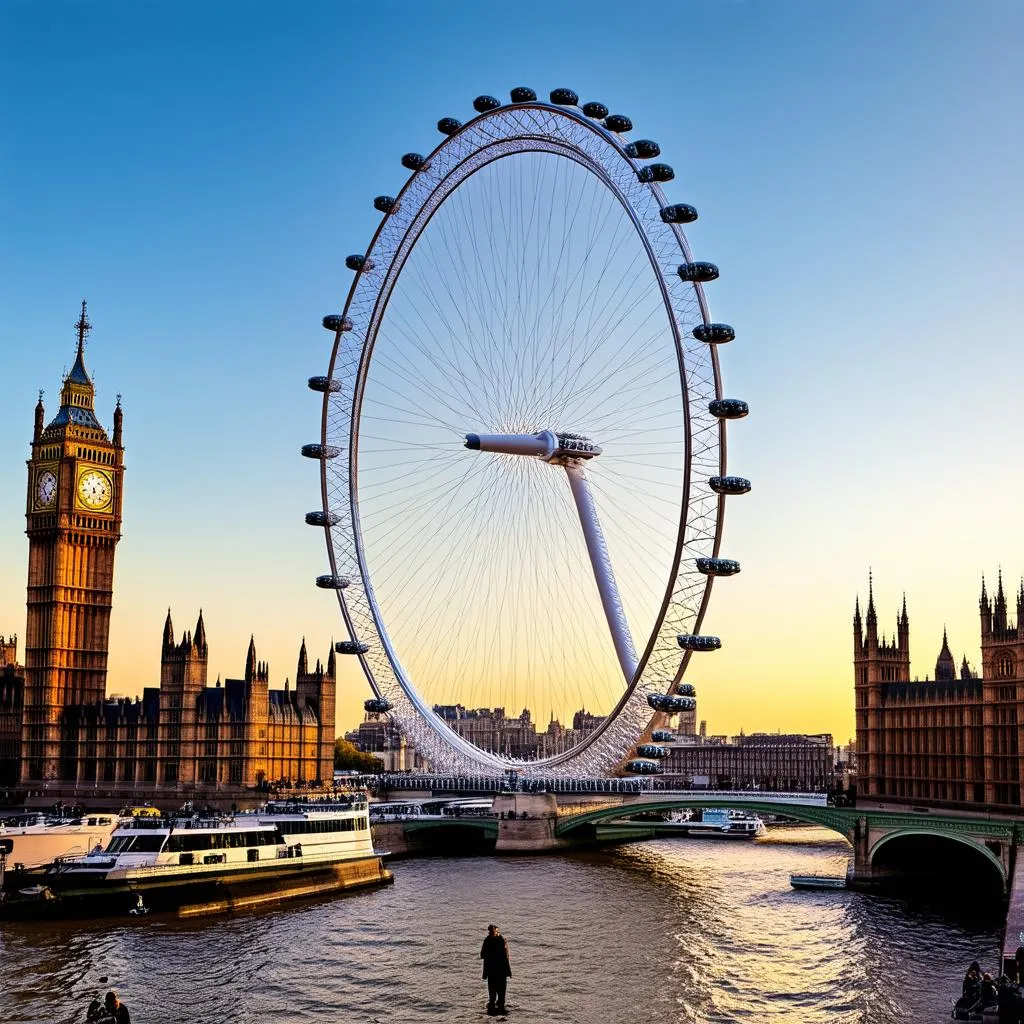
36,839
199,865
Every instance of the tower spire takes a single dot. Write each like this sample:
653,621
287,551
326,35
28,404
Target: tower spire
250,660
168,631
872,618
999,611
83,327
200,635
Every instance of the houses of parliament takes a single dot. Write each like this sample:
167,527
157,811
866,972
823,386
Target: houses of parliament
956,740
59,732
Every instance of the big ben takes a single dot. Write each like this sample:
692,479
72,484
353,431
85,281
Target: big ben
73,511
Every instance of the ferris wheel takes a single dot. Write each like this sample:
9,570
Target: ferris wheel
522,451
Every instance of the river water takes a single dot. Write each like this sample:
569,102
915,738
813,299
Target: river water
668,931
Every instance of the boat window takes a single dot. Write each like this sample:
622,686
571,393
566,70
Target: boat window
148,844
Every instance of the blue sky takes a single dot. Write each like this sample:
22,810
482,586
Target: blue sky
198,172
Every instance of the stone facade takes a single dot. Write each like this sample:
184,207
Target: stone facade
56,723
769,761
954,740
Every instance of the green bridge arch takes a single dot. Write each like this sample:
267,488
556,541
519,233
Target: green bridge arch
839,819
977,845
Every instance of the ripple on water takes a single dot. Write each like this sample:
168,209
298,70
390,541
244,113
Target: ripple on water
669,932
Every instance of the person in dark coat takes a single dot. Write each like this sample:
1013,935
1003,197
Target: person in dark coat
497,971
117,1010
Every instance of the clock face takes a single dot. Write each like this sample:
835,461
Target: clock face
46,488
94,489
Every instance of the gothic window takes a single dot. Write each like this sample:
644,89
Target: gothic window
1005,665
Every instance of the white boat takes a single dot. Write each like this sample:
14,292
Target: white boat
720,823
38,839
208,864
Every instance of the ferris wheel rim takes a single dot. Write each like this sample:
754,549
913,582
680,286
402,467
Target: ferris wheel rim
383,292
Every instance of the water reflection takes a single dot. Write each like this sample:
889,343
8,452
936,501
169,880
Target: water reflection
668,931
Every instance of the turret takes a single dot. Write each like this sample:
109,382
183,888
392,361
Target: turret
200,637
871,620
40,420
858,628
118,419
999,610
945,667
250,661
986,611
903,629
168,632
303,662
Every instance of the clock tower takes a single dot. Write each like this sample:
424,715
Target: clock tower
73,511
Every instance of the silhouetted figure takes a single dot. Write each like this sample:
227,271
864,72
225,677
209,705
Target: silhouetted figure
989,992
494,953
117,1010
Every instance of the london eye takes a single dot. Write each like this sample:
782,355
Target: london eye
522,443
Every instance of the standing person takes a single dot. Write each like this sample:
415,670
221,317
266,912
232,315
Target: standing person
494,953
117,1010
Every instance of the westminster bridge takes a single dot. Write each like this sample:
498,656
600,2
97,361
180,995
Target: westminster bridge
889,843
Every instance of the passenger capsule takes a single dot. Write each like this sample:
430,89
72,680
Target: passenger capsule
618,123
678,213
377,705
718,566
651,750
643,149
332,582
729,484
448,125
670,703
414,161
351,647
655,172
521,94
663,736
641,766
484,103
337,322
323,384
320,451
564,98
686,690
384,204
714,334
321,518
693,642
358,263
598,111
728,408
698,272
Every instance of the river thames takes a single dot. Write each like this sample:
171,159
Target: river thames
665,931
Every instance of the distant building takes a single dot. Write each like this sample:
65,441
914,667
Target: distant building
770,761
178,737
12,690
953,740
379,736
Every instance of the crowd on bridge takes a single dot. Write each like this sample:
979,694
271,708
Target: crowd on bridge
982,994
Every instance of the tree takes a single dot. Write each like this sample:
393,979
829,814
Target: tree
348,756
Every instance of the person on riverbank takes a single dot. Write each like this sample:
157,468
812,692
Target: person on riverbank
497,970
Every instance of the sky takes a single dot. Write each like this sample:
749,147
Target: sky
198,172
